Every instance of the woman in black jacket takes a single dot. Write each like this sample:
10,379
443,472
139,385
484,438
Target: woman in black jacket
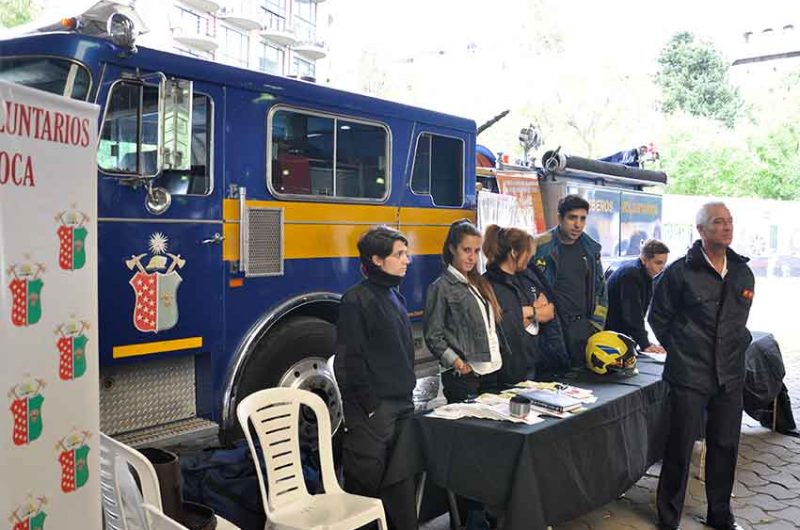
535,343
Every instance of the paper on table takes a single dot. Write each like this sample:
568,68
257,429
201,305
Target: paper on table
488,408
657,357
581,394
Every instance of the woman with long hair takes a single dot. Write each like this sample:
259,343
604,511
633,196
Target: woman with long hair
461,312
524,300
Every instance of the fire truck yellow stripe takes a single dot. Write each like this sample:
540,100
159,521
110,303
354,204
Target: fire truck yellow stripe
320,230
147,348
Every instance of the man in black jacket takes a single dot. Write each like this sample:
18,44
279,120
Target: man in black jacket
630,289
700,307
375,363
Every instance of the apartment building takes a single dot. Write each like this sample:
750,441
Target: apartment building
276,36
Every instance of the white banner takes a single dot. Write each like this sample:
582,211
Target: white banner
49,448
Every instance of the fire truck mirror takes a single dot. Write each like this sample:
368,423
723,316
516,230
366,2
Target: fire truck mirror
176,124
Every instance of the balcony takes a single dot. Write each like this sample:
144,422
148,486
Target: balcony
206,6
199,40
311,50
242,14
281,37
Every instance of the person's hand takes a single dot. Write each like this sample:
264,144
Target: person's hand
545,310
655,348
462,367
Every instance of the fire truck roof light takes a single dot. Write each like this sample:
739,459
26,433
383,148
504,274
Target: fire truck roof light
70,23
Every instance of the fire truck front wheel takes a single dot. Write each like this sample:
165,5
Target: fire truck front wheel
295,355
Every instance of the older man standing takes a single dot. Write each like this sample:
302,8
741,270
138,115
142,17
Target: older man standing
700,307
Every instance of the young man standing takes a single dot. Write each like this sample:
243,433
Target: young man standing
570,261
375,364
699,311
630,289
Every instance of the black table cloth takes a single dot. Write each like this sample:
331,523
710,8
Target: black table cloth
550,472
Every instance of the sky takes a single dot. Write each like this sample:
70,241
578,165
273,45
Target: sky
471,58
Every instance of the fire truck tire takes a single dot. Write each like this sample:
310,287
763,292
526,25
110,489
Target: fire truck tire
294,355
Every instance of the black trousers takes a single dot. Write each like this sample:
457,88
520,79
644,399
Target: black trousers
366,448
463,387
576,335
722,413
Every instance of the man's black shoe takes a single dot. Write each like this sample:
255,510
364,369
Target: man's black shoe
663,526
729,526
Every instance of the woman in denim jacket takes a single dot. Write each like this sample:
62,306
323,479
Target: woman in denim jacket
461,312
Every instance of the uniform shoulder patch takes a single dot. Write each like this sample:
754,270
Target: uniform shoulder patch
747,294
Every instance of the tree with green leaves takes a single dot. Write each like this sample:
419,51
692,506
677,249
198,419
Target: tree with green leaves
693,77
16,12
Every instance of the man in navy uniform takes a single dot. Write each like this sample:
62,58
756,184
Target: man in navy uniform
630,289
699,311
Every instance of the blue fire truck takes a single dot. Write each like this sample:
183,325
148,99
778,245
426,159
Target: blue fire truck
229,206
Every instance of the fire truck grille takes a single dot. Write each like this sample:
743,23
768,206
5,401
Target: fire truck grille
264,242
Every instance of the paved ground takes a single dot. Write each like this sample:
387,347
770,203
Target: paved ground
767,490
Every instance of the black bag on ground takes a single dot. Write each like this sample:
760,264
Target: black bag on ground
763,385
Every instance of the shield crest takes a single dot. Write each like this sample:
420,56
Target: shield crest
156,304
26,307
27,414
74,468
72,248
156,307
72,357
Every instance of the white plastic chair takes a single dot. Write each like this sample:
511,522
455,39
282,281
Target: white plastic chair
274,414
124,507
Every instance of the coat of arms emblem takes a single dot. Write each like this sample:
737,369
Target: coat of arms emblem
26,290
26,410
156,305
73,455
71,347
72,240
29,515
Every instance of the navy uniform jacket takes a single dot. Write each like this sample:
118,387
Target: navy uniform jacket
700,319
630,288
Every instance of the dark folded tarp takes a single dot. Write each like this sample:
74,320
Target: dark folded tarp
763,384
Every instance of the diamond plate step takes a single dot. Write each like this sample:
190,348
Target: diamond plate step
191,431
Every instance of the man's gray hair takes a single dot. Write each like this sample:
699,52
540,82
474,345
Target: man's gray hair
704,213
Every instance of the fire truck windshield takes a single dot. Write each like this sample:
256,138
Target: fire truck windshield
51,74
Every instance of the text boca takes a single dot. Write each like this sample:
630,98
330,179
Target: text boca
16,169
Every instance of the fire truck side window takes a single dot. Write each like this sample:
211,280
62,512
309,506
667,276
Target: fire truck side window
197,180
327,156
439,169
129,138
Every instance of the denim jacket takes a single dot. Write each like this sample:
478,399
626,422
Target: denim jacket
454,325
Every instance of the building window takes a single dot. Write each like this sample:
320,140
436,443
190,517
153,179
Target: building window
276,6
439,169
302,68
192,22
274,21
234,48
327,156
305,10
270,58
